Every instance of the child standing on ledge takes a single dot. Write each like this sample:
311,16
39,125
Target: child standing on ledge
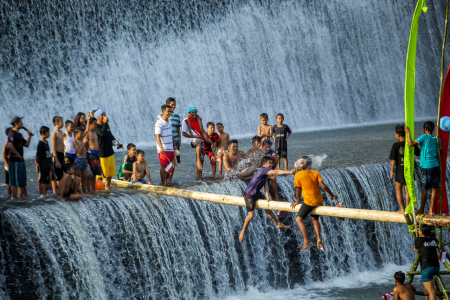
429,164
396,157
281,133
264,130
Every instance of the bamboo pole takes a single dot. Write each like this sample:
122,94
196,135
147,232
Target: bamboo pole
439,117
419,272
340,212
413,269
441,283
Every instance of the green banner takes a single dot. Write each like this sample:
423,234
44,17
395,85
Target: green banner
410,81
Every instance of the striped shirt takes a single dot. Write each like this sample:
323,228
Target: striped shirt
164,129
176,123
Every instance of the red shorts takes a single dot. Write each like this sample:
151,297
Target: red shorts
210,154
163,160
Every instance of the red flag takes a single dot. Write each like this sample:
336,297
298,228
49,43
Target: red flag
443,135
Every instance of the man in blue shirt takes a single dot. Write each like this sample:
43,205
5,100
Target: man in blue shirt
252,193
429,164
176,128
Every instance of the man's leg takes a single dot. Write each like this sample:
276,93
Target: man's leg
273,179
108,183
301,225
406,196
274,218
430,288
285,163
220,167
23,192
433,200
14,192
278,164
170,175
162,173
199,162
8,188
213,170
75,187
399,195
316,224
249,217
423,199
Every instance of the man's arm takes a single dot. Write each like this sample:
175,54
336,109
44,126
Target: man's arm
147,171
158,141
281,172
396,294
190,136
175,147
5,159
408,138
133,177
179,134
27,143
327,189
392,168
298,195
13,150
37,163
226,164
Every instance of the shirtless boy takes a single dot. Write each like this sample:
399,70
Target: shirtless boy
68,186
58,148
140,169
81,161
209,148
264,130
5,155
92,154
256,145
252,193
403,291
222,145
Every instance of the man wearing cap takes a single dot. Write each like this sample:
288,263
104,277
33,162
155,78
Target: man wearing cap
193,129
17,168
105,146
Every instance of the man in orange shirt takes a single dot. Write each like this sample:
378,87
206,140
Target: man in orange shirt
308,183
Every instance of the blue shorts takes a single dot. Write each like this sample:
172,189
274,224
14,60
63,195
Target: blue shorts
143,181
17,174
429,273
81,163
430,178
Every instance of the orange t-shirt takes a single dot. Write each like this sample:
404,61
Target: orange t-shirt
308,180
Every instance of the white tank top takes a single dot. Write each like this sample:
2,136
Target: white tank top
68,144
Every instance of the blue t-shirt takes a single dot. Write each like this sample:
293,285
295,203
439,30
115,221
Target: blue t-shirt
428,151
257,182
269,153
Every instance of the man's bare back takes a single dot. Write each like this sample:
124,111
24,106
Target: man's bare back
58,141
404,292
224,139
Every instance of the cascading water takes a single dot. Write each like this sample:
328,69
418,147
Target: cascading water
314,61
145,246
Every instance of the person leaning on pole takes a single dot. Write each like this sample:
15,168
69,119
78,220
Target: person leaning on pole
105,144
16,163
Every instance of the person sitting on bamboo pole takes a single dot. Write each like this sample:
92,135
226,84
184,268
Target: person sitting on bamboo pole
425,245
252,193
403,291
308,183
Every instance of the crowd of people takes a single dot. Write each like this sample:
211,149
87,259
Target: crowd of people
83,154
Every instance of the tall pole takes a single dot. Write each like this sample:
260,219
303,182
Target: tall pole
439,118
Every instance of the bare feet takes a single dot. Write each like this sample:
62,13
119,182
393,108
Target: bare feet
281,225
241,237
275,198
199,165
305,246
401,211
319,244
419,212
431,213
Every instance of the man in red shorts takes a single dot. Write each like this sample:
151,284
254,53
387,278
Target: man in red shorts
164,142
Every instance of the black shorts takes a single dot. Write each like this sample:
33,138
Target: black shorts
305,210
45,175
430,178
59,171
70,192
281,152
126,176
250,202
6,177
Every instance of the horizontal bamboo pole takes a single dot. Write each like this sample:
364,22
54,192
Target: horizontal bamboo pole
340,212
418,273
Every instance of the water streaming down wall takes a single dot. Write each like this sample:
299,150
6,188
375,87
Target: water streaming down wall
144,246
314,61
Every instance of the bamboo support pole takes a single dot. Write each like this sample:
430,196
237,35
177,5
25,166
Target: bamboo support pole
340,212
413,269
419,272
441,283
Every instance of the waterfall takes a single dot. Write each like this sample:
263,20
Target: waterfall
314,61
145,246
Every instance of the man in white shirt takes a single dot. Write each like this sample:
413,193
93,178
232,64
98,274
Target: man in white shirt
165,143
